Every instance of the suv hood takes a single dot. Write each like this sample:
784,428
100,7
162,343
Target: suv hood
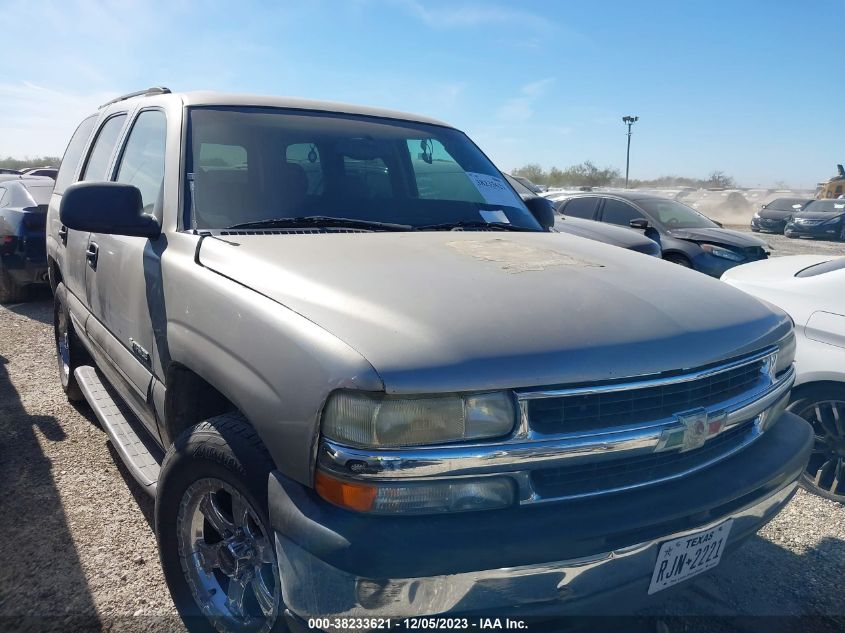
817,215
718,236
459,310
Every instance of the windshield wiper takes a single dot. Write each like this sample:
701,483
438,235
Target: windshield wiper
321,220
472,224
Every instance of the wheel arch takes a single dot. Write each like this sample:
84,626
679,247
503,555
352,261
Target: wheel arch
190,399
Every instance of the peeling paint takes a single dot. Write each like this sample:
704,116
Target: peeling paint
518,258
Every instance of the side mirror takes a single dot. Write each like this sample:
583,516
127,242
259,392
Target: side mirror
543,211
107,207
639,223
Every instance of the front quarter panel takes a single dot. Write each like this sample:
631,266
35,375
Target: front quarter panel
276,366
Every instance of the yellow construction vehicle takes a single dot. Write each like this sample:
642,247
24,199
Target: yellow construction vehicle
833,188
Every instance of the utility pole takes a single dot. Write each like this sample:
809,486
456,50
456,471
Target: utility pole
629,121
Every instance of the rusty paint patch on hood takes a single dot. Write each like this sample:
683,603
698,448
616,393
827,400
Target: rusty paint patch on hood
518,258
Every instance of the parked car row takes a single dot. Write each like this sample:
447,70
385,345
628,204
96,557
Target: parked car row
363,377
796,217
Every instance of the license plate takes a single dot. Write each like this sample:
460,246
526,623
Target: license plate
688,556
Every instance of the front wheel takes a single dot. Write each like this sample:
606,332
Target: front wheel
824,408
213,531
842,234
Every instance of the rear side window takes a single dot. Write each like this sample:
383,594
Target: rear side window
581,208
73,154
618,212
98,159
142,162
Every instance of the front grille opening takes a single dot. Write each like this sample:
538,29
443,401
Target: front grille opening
624,472
603,411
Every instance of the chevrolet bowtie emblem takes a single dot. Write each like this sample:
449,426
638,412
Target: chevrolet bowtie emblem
692,430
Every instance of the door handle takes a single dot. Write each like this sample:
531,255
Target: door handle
91,254
63,234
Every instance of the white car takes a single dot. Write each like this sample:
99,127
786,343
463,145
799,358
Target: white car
811,288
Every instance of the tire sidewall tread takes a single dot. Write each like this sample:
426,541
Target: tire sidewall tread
225,447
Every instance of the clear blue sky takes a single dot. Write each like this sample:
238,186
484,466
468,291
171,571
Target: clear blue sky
753,88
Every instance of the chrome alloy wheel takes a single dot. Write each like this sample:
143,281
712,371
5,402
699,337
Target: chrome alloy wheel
228,558
826,470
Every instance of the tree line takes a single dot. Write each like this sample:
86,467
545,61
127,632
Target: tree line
587,174
24,163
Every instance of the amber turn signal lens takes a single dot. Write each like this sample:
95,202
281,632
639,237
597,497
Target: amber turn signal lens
354,496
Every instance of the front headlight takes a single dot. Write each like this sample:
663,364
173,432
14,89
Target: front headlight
382,421
718,251
756,215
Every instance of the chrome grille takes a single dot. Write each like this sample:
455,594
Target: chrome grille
579,413
625,473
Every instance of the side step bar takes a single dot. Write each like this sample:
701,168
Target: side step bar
137,452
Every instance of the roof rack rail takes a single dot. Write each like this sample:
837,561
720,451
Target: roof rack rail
155,90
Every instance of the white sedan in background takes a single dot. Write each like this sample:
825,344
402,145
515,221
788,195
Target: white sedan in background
811,288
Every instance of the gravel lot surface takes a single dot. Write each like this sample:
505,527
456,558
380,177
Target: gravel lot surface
79,547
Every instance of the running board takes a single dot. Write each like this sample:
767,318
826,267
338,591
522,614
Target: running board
136,450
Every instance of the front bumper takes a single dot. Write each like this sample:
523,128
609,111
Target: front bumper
771,225
830,231
25,258
575,557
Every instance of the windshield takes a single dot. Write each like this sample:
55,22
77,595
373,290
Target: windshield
674,215
826,206
254,164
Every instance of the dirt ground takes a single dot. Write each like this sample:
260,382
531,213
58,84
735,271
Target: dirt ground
79,549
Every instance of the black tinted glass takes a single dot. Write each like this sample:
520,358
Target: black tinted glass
581,208
618,212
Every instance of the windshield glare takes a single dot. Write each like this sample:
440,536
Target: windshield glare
254,164
674,215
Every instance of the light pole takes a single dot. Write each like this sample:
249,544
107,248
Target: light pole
629,121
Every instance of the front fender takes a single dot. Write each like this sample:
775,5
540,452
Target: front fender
276,366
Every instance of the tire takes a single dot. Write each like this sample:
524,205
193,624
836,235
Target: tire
825,473
70,353
842,234
676,258
211,469
10,290
791,236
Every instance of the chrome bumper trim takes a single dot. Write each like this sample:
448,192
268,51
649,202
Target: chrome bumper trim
313,588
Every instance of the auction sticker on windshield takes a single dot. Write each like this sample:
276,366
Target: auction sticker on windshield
688,556
494,190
